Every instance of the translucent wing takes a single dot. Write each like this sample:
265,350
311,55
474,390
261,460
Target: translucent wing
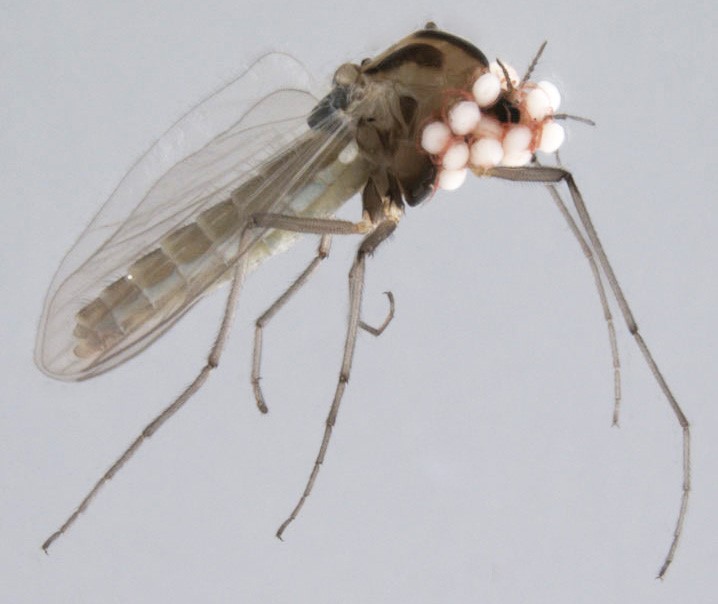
170,230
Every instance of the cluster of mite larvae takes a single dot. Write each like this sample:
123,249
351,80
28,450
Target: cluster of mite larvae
464,138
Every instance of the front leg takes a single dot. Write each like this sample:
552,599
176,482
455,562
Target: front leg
552,175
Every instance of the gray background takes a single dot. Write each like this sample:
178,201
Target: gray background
474,459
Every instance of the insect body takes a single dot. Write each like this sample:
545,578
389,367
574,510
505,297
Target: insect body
395,128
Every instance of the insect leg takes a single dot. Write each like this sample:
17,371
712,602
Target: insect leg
377,331
322,226
261,322
267,316
552,175
356,284
608,317
326,227
212,362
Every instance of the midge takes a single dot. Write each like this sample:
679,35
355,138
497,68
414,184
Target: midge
262,161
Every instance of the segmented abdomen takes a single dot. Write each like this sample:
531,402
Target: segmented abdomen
187,261
193,258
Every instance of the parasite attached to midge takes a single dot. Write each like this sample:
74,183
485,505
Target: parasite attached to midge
262,161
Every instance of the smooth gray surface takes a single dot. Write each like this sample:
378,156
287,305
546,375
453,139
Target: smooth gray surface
473,460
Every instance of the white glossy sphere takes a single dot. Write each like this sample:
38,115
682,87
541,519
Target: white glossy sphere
553,94
517,139
486,89
434,137
538,104
489,127
463,117
486,153
450,180
552,137
456,156
517,158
